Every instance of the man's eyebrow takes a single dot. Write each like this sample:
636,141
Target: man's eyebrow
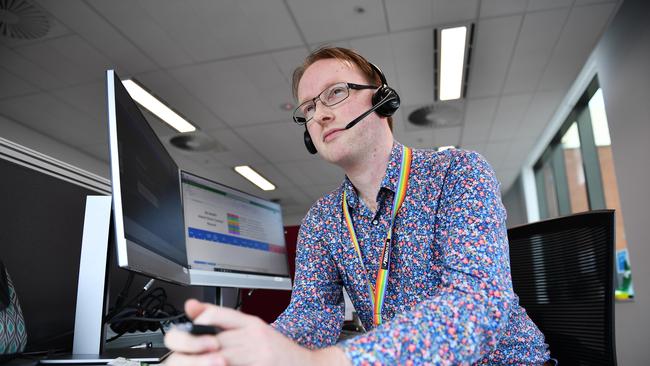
319,93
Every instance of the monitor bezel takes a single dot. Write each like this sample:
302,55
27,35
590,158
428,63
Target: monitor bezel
130,254
199,277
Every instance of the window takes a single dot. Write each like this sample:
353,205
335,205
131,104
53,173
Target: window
576,173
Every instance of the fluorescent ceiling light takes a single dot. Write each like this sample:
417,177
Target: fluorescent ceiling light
255,178
452,62
158,108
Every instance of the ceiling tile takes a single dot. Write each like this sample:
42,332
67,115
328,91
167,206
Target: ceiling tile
29,71
539,34
50,116
280,141
507,177
519,150
224,28
413,52
238,151
56,30
69,59
287,61
495,40
534,5
244,91
11,85
510,113
274,175
421,138
495,153
307,172
579,36
379,50
323,21
478,120
447,136
134,21
101,35
539,114
479,147
587,2
491,8
316,191
87,98
228,177
409,14
179,98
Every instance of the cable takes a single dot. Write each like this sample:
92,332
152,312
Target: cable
143,319
117,310
147,311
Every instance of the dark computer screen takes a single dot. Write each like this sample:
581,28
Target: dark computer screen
150,184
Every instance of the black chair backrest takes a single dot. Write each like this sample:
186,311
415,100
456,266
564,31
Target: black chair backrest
562,271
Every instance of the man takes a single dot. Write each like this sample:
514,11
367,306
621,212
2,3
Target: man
417,238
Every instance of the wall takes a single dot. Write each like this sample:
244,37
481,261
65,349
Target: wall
623,68
621,60
513,200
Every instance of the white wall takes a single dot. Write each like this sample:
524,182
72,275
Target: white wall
623,67
621,60
513,200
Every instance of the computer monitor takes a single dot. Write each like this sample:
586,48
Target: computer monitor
147,226
234,239
147,204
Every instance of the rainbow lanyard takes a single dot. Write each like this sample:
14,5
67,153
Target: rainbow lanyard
377,294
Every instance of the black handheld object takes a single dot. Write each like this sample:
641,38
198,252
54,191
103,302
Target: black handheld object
198,329
385,102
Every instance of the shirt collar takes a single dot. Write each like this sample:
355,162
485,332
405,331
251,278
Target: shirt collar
388,182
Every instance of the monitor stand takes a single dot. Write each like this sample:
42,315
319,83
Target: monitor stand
148,355
92,295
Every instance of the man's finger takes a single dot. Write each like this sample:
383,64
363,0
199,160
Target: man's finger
206,359
193,308
180,341
224,318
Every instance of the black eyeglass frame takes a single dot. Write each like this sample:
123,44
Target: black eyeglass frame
302,121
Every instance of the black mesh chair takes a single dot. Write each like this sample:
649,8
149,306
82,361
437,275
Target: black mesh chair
562,271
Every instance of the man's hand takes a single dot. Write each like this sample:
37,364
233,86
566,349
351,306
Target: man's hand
245,340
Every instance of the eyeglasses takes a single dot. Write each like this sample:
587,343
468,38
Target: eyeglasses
331,96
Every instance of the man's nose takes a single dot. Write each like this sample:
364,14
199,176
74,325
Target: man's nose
323,114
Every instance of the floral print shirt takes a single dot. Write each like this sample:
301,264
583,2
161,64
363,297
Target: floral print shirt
449,297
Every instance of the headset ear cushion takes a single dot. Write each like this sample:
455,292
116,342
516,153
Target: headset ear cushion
392,103
309,144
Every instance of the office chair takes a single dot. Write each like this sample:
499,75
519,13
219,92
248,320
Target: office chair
562,271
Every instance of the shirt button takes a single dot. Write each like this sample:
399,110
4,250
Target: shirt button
375,222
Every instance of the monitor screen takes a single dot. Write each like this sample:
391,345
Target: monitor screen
147,202
234,239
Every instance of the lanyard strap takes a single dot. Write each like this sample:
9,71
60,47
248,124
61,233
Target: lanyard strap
377,295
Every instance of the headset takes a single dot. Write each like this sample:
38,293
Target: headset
385,102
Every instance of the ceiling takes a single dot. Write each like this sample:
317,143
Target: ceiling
226,65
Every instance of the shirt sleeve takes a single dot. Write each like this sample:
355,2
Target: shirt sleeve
315,314
461,321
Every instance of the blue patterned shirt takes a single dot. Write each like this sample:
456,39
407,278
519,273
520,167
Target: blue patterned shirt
449,297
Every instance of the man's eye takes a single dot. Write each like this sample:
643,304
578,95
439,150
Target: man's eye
309,108
335,93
